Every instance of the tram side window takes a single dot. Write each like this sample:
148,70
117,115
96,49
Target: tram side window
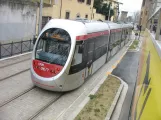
119,35
100,48
112,38
77,59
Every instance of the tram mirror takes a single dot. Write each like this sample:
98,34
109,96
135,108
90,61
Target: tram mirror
136,34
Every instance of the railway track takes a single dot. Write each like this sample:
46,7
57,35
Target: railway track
15,97
14,68
46,106
30,103
14,74
13,63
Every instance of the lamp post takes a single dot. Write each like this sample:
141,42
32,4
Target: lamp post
40,15
109,12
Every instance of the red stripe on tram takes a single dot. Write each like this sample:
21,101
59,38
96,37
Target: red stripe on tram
91,35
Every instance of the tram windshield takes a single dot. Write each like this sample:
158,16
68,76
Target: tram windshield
53,46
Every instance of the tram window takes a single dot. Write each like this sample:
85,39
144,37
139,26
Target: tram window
77,59
100,51
90,46
53,46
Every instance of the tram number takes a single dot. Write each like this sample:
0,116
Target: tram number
42,67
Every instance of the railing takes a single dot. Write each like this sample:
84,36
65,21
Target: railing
15,48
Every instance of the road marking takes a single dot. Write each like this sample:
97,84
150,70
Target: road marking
114,66
108,73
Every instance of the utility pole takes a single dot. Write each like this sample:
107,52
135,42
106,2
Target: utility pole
109,12
40,15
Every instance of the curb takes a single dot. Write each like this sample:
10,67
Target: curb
114,103
86,100
14,56
137,49
118,107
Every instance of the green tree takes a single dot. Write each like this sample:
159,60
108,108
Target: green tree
98,5
103,8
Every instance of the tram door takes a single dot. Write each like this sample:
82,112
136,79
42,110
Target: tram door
90,52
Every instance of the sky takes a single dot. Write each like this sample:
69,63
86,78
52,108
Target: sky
131,6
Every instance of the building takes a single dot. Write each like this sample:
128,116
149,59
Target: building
146,11
71,9
124,16
18,19
129,19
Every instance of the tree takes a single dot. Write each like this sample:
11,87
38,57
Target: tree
103,8
98,5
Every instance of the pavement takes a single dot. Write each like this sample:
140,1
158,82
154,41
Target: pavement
127,71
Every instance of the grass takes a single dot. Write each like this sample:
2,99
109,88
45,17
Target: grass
134,44
99,104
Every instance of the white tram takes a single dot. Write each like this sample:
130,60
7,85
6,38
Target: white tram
67,52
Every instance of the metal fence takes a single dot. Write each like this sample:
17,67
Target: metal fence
15,48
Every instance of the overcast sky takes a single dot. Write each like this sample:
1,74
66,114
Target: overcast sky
130,5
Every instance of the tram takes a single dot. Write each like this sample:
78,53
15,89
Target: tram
67,52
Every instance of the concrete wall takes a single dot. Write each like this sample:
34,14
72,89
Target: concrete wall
17,20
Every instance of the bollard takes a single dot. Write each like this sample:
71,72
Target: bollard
21,46
12,48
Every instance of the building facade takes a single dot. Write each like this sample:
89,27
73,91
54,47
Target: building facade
146,11
71,9
18,19
124,16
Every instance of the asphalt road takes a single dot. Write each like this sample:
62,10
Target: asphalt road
127,71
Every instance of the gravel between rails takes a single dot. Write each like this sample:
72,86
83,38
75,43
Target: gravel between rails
14,70
13,87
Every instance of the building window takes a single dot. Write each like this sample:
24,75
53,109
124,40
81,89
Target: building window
78,15
88,2
67,15
80,0
86,16
45,19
